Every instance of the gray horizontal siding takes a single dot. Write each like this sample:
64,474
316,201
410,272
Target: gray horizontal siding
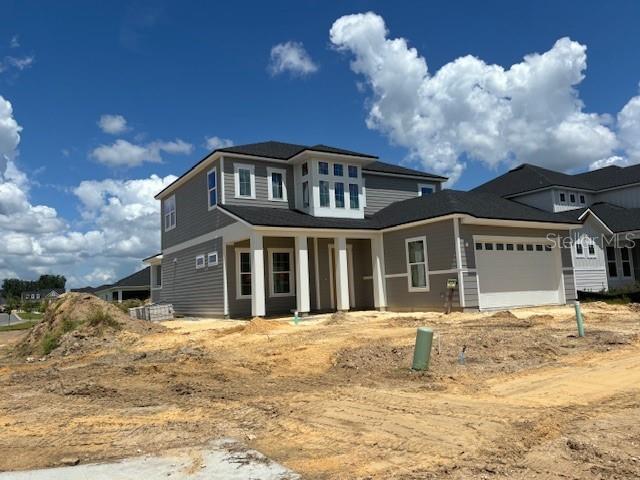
193,217
156,296
399,298
262,192
382,191
196,292
591,280
470,282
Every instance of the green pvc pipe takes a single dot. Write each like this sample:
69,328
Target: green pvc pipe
422,351
579,320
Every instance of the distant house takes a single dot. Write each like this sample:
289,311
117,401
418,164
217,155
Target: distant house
40,295
135,286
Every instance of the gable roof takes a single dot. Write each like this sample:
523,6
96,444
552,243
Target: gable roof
617,219
439,204
527,177
141,278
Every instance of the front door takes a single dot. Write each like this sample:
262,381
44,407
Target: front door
332,277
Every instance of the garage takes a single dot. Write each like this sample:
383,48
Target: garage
517,272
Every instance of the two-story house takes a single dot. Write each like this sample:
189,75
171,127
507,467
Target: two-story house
607,202
269,228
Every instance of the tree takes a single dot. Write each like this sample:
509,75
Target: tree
13,287
51,282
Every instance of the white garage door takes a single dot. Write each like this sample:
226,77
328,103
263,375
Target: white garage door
517,272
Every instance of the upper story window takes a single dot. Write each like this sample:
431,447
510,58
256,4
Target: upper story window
563,197
305,194
353,171
170,213
354,199
277,184
582,199
417,264
323,168
425,189
338,170
212,259
200,261
325,199
245,181
338,188
572,198
305,169
212,187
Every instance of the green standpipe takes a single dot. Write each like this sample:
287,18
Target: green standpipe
422,351
579,320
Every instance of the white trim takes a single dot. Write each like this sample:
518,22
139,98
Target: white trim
292,291
239,251
396,275
225,286
252,179
316,267
426,185
198,259
233,232
166,214
602,224
209,262
222,197
407,241
215,173
283,172
467,219
331,247
456,235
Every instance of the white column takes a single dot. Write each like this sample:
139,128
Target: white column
379,286
302,274
119,296
342,274
225,287
257,275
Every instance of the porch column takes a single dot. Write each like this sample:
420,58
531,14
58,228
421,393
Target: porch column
377,259
257,275
302,274
119,296
342,274
225,287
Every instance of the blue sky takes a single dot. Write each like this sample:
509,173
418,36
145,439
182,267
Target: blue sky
185,71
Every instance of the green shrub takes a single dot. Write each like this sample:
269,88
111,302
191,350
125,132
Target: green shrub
69,325
127,304
101,319
50,342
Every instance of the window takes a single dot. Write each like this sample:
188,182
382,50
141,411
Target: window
354,201
478,246
212,188
529,248
499,246
510,247
563,197
170,213
353,171
424,189
212,259
281,267
243,273
520,247
611,262
488,246
582,199
277,186
305,194
338,170
539,248
591,249
417,264
579,249
338,190
324,194
547,248
305,169
245,181
200,261
323,168
626,262
572,198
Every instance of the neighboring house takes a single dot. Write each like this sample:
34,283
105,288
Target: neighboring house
134,286
40,295
269,228
605,201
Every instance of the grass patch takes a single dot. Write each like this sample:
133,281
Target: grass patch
31,315
18,326
50,342
99,318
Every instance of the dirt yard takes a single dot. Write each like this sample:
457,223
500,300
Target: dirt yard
333,397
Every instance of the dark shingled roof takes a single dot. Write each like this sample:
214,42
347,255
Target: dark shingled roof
527,177
140,278
618,219
383,167
445,202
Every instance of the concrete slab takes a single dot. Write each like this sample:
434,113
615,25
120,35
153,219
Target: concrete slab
224,459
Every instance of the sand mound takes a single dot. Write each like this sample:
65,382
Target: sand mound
79,322
503,315
260,325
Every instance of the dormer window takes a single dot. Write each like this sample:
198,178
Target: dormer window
353,171
305,169
582,199
323,168
338,170
338,188
354,201
572,198
305,194
325,199
563,197
424,189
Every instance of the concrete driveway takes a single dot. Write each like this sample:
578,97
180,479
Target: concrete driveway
4,319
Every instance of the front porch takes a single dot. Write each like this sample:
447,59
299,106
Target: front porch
278,273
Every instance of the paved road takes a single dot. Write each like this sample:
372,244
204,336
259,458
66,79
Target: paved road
4,319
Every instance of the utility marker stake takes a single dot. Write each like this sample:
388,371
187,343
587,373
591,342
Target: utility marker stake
422,351
296,318
579,319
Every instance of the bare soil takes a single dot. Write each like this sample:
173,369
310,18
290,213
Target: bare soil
334,397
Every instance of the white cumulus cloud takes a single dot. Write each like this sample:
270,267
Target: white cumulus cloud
113,124
468,109
213,143
291,57
123,153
